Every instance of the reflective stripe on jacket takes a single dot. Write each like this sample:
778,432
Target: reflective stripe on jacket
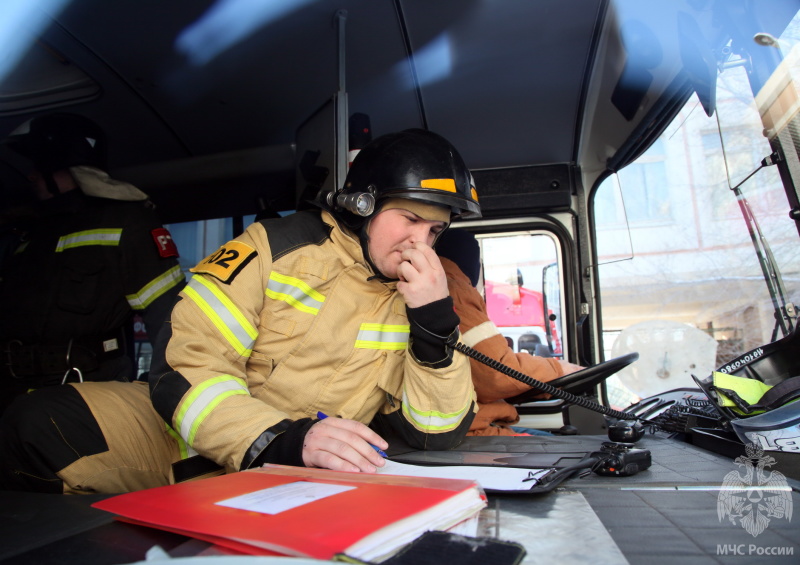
85,264
299,328
481,334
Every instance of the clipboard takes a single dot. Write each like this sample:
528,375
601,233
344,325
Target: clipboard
492,479
527,460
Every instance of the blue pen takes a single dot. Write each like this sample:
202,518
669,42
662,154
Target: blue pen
322,416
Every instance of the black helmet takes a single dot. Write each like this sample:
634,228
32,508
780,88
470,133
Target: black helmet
416,164
59,141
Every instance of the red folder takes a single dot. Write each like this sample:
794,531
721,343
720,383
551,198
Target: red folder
374,519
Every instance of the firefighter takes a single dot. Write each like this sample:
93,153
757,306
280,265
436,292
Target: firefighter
342,311
90,255
459,253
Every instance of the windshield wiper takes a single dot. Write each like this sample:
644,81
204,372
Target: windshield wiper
784,310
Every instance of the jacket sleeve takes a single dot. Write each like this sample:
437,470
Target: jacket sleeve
494,419
198,381
153,276
482,335
437,405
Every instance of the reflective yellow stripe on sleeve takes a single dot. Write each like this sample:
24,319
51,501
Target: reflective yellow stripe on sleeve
185,449
155,288
432,420
223,313
202,400
294,292
382,336
109,237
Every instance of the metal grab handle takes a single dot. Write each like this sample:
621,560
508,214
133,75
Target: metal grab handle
69,362
66,375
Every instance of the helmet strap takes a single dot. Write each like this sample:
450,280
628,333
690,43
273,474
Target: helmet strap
363,237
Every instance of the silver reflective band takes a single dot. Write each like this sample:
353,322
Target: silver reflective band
202,401
294,292
432,420
110,237
155,288
383,336
223,313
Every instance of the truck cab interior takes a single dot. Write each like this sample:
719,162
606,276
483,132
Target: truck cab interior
637,164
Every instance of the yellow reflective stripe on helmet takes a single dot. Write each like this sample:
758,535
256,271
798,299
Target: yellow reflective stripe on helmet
294,292
202,400
110,236
155,288
448,185
432,420
223,313
185,449
382,336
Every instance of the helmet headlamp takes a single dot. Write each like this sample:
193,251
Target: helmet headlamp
358,203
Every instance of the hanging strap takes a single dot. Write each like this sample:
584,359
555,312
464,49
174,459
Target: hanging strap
780,394
737,394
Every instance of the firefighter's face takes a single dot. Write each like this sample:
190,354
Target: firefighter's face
393,231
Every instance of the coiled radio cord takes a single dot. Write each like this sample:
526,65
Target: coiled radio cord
544,387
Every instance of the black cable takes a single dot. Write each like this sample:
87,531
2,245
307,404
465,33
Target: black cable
544,387
452,343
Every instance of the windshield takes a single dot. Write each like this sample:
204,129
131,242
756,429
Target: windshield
696,249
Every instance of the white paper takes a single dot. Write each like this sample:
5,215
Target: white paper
493,478
275,500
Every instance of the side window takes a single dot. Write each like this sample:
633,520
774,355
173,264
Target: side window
651,202
521,284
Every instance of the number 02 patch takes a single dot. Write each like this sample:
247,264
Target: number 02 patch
226,261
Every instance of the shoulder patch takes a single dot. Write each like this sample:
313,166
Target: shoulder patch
166,247
226,262
295,231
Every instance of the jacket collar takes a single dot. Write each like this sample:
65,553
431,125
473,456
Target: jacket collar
350,245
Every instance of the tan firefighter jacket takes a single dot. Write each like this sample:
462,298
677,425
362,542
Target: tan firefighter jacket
274,327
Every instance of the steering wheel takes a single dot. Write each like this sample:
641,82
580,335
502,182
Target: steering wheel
580,381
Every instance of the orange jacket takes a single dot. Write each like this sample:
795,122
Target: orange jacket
477,331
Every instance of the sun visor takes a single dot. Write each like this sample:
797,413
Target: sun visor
520,190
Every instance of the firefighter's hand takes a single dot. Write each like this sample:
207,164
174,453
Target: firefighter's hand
422,278
343,445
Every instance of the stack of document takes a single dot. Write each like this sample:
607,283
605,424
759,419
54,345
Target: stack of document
318,513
